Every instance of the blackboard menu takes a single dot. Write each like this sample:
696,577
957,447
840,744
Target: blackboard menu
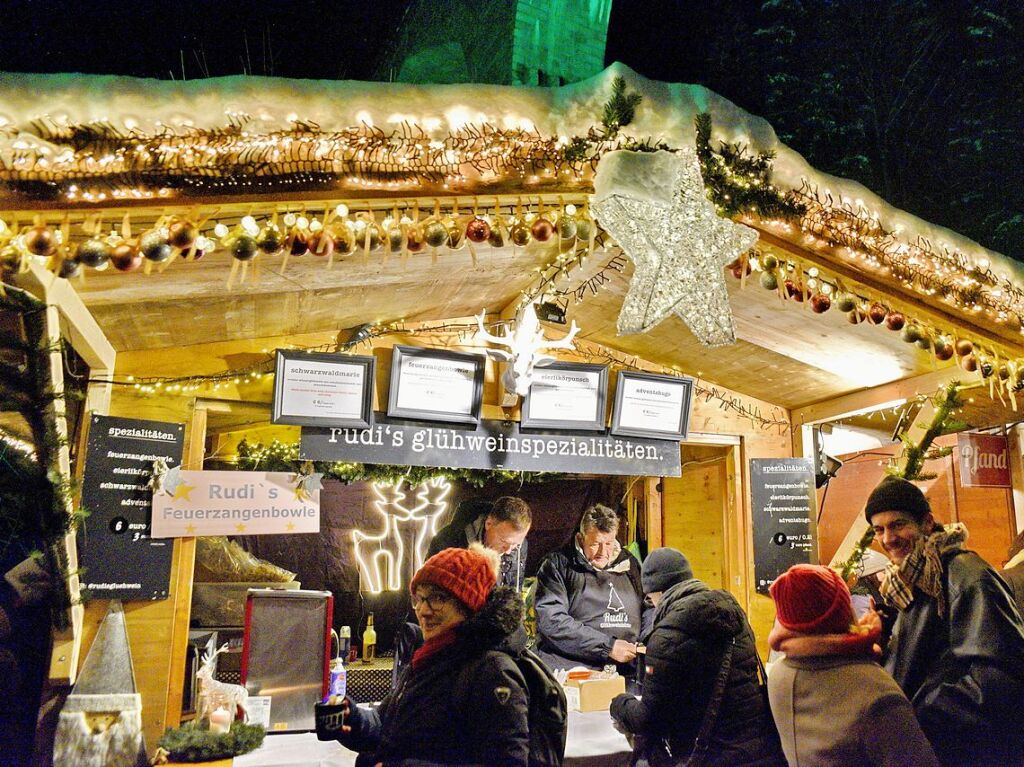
120,560
783,504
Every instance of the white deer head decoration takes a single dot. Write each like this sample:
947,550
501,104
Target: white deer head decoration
524,346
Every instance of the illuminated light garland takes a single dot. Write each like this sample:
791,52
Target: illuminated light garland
381,568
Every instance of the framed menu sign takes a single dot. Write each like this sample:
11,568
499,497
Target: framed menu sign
319,389
436,385
566,395
653,406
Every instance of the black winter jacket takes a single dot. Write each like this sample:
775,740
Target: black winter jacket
560,582
693,625
964,673
465,705
453,536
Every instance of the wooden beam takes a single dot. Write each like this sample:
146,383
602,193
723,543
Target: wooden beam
867,400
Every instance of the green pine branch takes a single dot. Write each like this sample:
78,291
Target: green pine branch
620,109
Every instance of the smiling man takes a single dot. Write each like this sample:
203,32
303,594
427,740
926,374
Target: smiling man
957,649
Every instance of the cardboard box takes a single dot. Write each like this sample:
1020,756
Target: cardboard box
593,694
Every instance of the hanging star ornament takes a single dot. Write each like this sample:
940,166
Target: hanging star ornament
654,205
307,481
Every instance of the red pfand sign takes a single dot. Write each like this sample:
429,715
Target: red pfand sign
984,460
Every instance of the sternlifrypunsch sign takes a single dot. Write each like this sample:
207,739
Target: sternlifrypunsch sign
490,445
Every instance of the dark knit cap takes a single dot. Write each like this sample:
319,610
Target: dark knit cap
895,494
812,599
663,569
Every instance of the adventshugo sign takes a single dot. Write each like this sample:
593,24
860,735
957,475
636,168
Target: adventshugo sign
235,503
491,445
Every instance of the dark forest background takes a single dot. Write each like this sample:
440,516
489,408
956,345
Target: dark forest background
922,101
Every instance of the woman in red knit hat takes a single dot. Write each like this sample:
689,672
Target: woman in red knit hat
833,704
462,700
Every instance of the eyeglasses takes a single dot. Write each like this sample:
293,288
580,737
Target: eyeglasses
434,601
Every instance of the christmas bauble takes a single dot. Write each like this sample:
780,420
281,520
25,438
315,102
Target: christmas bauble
154,246
270,240
964,347
394,238
478,230
769,281
769,262
895,321
69,268
10,259
182,234
93,252
856,317
969,363
520,235
40,241
1004,372
322,243
542,229
416,241
739,267
924,342
911,334
243,247
344,241
1018,379
297,242
943,348
495,240
455,235
986,367
126,257
794,291
436,234
567,227
584,229
820,303
877,313
845,302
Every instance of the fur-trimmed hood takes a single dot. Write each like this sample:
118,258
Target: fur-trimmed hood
498,625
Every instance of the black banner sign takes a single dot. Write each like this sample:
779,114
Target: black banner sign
783,504
120,560
490,445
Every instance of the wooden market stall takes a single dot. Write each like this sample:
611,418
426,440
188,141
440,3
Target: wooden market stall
356,217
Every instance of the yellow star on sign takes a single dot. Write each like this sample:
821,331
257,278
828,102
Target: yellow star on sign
190,528
290,526
240,527
184,491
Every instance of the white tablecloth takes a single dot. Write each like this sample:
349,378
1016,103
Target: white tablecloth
591,742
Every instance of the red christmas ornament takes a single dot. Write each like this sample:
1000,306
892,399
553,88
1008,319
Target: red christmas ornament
297,243
895,321
542,230
820,303
40,241
943,349
969,362
126,257
320,243
794,291
964,347
739,267
877,313
182,234
478,230
414,242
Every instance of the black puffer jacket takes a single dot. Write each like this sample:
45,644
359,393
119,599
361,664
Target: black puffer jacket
465,705
454,536
964,672
693,625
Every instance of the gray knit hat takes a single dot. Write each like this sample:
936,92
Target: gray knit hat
895,494
663,569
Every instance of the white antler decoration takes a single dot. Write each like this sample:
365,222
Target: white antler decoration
524,346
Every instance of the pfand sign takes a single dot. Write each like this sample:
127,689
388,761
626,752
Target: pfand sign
984,460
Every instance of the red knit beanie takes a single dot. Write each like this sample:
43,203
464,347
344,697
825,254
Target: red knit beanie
466,574
812,599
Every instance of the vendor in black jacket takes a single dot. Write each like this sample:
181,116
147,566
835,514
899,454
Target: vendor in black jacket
693,627
589,601
957,649
500,526
462,700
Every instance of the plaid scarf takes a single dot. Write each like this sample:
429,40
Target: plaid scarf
922,568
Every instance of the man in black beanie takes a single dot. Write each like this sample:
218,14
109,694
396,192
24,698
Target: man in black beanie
696,632
957,649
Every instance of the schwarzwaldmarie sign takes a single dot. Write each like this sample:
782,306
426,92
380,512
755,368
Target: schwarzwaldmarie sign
490,445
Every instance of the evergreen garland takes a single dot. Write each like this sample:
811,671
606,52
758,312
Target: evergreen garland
620,109
189,743
278,456
912,459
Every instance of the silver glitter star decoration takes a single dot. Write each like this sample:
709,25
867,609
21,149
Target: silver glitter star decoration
654,205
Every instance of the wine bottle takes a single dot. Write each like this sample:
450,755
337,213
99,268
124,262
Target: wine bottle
369,641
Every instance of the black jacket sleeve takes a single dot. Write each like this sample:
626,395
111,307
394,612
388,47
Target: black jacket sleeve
563,633
498,705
